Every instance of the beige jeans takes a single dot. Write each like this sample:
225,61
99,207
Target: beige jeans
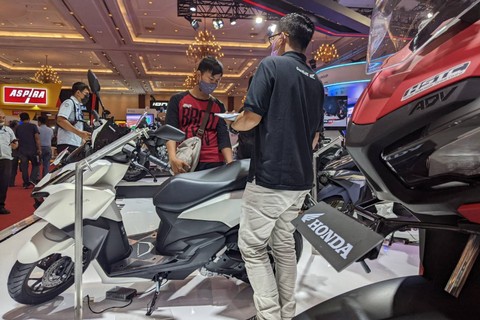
266,220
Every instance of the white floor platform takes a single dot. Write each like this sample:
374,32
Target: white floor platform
198,297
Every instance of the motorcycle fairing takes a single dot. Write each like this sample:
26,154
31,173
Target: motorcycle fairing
385,92
95,202
397,158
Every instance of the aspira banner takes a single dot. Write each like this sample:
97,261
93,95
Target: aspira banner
44,95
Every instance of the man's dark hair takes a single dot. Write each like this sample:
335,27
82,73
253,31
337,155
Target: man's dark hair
42,120
13,124
78,86
24,116
210,64
299,28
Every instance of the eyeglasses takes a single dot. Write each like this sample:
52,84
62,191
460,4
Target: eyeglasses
270,38
86,93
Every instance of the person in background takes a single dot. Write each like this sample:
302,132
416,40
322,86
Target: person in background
7,143
70,119
185,111
46,135
29,150
13,125
246,139
285,106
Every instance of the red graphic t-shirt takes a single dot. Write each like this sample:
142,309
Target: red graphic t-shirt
186,112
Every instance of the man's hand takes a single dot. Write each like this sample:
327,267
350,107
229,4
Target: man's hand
85,135
178,166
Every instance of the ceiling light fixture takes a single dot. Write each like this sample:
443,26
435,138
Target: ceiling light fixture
47,74
195,23
217,24
271,29
190,81
204,45
258,20
326,53
233,22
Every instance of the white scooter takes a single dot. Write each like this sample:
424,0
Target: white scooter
199,216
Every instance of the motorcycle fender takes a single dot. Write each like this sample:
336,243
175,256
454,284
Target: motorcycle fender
331,190
45,242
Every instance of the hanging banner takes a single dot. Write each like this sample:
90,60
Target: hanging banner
30,95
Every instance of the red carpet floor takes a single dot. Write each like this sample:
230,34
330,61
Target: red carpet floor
19,202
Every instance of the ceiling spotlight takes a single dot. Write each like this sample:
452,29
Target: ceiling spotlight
195,24
217,23
272,28
233,22
193,8
258,20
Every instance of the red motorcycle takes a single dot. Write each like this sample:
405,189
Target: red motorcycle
415,135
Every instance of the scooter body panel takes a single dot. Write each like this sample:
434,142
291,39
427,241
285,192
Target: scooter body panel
59,207
45,242
224,208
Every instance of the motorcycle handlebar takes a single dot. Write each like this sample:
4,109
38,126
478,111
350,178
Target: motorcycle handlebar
158,162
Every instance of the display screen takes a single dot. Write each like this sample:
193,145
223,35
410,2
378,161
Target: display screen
336,112
132,118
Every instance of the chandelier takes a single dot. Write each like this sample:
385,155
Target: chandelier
326,53
204,45
47,74
190,81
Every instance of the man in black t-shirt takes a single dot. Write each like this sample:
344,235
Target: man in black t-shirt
29,149
285,106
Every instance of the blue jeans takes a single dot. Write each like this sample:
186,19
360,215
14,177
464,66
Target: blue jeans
46,156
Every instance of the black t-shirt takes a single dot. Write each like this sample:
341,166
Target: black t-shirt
289,97
26,139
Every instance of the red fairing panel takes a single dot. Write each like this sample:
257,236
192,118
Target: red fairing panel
453,60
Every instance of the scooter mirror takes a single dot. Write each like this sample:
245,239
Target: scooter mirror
168,132
93,82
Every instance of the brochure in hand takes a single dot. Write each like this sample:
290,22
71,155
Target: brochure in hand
227,116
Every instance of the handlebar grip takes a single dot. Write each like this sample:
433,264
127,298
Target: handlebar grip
158,162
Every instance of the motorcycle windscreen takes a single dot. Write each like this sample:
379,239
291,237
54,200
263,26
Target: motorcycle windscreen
408,26
340,239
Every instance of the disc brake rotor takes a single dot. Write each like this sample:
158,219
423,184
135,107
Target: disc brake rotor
57,273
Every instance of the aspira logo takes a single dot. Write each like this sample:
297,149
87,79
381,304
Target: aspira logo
24,95
330,237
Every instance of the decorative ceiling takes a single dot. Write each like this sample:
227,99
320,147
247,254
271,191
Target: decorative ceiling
134,46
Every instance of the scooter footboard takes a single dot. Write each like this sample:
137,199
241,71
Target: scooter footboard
46,241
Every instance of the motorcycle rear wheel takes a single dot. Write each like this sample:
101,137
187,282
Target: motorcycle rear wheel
41,281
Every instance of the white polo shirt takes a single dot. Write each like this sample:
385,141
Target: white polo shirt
71,109
6,137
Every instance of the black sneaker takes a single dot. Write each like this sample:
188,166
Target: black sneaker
252,318
4,211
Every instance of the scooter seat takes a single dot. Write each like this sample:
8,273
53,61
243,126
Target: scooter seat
184,191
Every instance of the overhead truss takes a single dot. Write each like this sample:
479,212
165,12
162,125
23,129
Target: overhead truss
221,9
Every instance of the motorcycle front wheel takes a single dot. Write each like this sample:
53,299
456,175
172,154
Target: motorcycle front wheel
41,281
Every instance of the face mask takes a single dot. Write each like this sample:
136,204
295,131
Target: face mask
207,88
275,48
85,99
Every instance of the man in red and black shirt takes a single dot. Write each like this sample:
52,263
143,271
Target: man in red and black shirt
185,111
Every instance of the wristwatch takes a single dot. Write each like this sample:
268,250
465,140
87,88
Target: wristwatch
232,130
